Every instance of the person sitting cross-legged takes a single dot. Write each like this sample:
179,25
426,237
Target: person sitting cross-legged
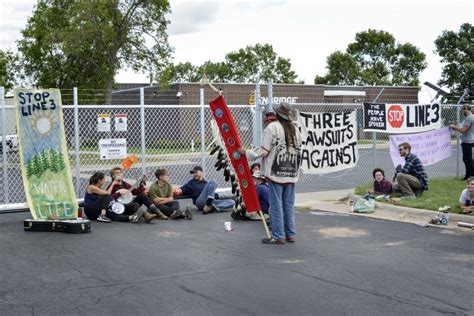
203,193
161,194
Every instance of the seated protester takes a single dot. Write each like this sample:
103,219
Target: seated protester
97,202
381,185
411,180
466,200
161,194
121,188
203,193
255,167
261,186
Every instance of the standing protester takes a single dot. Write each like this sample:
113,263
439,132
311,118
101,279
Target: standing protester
411,179
161,194
281,158
467,139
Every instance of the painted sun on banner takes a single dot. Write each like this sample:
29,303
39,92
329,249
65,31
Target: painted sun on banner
43,154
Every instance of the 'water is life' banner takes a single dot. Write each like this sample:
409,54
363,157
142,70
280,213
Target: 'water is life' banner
43,154
430,147
401,118
329,141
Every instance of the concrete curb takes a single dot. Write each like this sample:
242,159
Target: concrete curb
416,211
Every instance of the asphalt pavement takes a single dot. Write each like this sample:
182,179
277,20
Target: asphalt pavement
340,264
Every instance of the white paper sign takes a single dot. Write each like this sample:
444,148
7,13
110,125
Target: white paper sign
103,122
113,148
120,122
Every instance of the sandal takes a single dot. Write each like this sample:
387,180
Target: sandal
273,241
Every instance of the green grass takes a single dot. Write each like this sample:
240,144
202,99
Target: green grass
442,191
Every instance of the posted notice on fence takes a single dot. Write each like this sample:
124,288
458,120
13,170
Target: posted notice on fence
401,118
120,122
114,148
329,141
431,147
103,122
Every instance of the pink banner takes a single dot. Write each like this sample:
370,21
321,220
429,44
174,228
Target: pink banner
430,147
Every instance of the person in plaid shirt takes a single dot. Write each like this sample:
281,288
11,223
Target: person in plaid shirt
411,179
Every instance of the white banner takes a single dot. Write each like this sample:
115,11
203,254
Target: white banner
401,118
329,141
430,147
113,148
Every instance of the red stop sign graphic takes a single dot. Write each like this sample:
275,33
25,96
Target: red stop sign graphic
395,116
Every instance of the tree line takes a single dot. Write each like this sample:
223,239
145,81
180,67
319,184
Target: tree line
85,44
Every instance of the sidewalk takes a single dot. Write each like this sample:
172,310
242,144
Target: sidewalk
338,202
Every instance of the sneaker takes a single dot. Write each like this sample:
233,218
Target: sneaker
187,213
273,241
135,218
176,214
208,209
290,239
103,219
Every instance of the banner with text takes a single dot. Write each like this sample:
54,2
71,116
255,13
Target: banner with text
43,154
401,118
430,147
329,141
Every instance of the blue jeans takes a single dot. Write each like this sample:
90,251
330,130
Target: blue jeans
282,209
209,191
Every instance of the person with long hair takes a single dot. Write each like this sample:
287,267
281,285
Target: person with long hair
96,199
281,159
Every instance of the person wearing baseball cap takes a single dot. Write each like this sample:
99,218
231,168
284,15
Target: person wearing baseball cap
203,193
281,158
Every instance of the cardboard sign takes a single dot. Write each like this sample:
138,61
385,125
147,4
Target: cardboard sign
43,154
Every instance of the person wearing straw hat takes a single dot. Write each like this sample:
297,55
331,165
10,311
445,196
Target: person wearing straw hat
281,159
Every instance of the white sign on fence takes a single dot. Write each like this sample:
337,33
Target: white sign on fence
329,141
103,122
430,147
120,122
115,148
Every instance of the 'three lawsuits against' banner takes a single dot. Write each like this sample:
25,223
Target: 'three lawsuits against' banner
401,118
43,154
329,141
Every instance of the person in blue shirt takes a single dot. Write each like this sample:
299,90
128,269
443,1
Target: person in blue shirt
261,186
411,179
203,193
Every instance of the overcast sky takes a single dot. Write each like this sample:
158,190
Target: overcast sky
305,32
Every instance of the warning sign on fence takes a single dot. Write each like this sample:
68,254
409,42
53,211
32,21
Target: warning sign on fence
115,148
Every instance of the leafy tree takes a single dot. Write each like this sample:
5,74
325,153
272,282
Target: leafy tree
457,53
375,58
343,70
250,64
85,43
259,62
8,69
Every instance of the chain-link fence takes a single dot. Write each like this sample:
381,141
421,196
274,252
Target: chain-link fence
172,129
